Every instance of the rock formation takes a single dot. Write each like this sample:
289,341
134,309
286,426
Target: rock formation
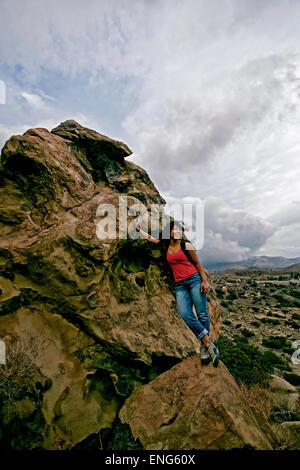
194,407
91,323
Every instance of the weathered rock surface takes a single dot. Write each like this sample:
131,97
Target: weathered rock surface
103,312
278,384
194,407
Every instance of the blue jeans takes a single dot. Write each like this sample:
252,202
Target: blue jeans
188,292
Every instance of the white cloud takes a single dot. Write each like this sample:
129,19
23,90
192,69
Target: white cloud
34,100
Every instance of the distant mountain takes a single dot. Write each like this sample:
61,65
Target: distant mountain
295,268
258,262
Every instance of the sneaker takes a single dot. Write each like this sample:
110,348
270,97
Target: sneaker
214,352
204,354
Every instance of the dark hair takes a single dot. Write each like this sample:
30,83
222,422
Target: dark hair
165,242
177,223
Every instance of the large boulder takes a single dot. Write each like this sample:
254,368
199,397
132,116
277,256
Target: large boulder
279,384
104,309
194,407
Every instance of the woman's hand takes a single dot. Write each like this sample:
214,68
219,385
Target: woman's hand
204,287
146,235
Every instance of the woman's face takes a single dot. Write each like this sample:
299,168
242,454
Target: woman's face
176,233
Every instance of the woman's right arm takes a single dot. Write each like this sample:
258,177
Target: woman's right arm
146,235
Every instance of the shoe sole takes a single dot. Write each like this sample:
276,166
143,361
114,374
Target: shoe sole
216,361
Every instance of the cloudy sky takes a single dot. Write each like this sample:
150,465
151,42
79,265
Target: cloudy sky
206,93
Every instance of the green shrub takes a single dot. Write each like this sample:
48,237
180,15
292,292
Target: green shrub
275,342
278,342
275,360
247,363
232,295
247,333
295,293
284,302
219,292
240,339
272,321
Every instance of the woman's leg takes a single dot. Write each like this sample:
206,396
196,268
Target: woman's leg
200,302
185,306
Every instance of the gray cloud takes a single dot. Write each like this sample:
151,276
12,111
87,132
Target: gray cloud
195,126
284,242
287,215
236,225
212,90
229,234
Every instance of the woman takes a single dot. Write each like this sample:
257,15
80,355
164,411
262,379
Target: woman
190,285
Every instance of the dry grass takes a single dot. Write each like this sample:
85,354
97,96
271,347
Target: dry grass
20,366
284,442
260,397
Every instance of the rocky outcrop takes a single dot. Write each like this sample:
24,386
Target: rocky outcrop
101,313
193,407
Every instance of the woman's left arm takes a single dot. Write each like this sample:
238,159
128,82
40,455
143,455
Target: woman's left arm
204,285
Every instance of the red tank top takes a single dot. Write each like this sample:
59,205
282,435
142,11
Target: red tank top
182,268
